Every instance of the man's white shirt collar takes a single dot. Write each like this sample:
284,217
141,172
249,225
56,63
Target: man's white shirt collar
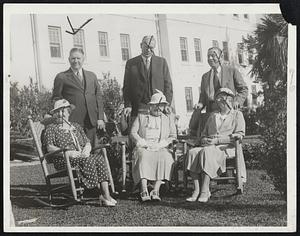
145,59
80,72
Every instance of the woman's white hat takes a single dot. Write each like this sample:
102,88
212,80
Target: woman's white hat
62,103
158,98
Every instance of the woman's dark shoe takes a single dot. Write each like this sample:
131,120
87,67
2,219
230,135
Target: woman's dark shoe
145,196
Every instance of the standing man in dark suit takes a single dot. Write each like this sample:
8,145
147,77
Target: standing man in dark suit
143,75
81,88
220,76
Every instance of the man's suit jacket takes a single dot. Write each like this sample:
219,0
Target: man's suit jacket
135,81
87,99
230,78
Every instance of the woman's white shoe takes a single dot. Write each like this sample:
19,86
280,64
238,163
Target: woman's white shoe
204,197
193,198
105,202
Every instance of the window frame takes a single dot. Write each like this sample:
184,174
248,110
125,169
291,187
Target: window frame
128,48
106,44
215,43
199,50
83,41
225,52
186,50
60,45
189,107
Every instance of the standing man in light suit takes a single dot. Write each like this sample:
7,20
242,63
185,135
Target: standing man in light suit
81,88
220,76
143,75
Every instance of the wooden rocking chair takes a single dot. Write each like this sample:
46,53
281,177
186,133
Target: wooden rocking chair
74,184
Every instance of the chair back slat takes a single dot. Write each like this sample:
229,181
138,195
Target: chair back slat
36,130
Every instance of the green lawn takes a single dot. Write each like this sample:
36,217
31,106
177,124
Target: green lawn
260,205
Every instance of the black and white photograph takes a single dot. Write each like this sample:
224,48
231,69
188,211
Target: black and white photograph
149,118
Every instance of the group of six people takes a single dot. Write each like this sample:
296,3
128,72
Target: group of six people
147,94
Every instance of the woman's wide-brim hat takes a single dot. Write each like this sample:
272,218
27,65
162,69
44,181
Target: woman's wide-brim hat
158,98
60,104
224,90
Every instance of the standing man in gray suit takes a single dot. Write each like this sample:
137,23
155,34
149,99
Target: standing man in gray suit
81,88
220,76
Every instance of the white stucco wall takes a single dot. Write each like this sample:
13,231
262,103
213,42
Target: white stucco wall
21,50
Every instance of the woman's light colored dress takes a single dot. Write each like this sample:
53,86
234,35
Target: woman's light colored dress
212,158
152,164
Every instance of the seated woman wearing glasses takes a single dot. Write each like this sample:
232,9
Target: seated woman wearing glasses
206,162
152,133
65,134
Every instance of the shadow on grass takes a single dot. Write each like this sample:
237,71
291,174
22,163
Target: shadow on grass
28,196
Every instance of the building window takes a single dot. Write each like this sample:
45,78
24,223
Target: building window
189,98
125,46
242,54
184,49
236,16
198,54
225,51
103,44
78,40
246,16
215,43
55,41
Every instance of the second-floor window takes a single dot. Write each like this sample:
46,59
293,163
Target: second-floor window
225,51
103,44
189,98
215,43
246,16
78,40
125,46
55,41
184,49
198,54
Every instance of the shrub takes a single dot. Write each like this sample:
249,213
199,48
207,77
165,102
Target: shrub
251,119
270,40
24,102
112,97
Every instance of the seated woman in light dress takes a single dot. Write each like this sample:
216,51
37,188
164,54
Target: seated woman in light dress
152,133
208,160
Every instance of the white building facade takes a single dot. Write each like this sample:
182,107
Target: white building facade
39,48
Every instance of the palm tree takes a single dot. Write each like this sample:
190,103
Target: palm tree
270,40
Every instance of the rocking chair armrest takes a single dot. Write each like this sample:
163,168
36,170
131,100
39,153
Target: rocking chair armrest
100,147
50,154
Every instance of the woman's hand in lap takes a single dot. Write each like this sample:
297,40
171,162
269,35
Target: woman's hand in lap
73,154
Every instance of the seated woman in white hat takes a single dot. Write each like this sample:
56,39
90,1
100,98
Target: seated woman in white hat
152,133
65,134
208,160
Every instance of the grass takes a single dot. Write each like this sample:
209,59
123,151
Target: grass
259,205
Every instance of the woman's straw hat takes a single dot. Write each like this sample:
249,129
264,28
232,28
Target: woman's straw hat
62,103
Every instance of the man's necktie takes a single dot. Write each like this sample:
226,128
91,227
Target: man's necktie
216,81
148,63
79,77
